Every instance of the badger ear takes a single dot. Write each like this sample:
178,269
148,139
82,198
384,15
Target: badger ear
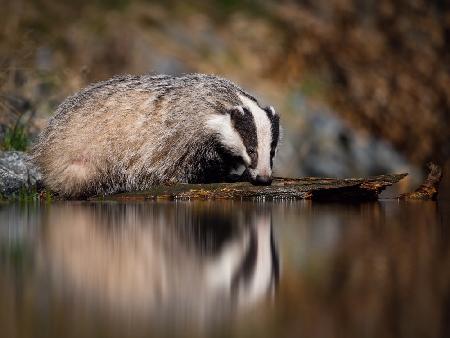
236,110
236,113
272,111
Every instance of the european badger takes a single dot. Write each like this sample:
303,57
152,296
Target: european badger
132,132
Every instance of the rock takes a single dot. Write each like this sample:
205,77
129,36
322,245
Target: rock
17,174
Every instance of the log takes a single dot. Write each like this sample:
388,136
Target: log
429,189
312,188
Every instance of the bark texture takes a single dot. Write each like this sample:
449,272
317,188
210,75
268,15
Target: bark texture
428,190
312,188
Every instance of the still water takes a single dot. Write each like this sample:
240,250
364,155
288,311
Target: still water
221,269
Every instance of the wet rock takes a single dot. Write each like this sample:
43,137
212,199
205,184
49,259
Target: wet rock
17,174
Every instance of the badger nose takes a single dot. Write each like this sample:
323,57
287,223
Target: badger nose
262,180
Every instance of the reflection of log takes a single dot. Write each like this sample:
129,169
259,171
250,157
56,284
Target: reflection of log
323,189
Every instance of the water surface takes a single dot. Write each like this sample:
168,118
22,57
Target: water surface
85,269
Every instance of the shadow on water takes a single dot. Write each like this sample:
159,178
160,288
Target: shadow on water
213,269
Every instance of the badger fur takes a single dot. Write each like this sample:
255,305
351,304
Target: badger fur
132,132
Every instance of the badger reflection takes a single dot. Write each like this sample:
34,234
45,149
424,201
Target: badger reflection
188,260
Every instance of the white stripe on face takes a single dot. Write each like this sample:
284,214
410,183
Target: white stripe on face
229,137
264,135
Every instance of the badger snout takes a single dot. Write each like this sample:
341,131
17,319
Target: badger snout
258,178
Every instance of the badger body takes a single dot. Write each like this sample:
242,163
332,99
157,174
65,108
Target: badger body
133,132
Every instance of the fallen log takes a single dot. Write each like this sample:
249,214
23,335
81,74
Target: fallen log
429,189
319,189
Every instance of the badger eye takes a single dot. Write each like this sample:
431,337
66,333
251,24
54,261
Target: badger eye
251,151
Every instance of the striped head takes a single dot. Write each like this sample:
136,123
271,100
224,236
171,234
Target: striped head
250,133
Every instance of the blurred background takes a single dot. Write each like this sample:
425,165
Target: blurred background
363,86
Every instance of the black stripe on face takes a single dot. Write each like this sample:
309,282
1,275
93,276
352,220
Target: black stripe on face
275,126
244,123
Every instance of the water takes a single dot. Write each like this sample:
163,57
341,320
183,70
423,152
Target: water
83,269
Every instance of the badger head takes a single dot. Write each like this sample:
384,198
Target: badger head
250,133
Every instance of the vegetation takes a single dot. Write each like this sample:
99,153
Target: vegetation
28,195
15,138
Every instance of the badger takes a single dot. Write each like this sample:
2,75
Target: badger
133,132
